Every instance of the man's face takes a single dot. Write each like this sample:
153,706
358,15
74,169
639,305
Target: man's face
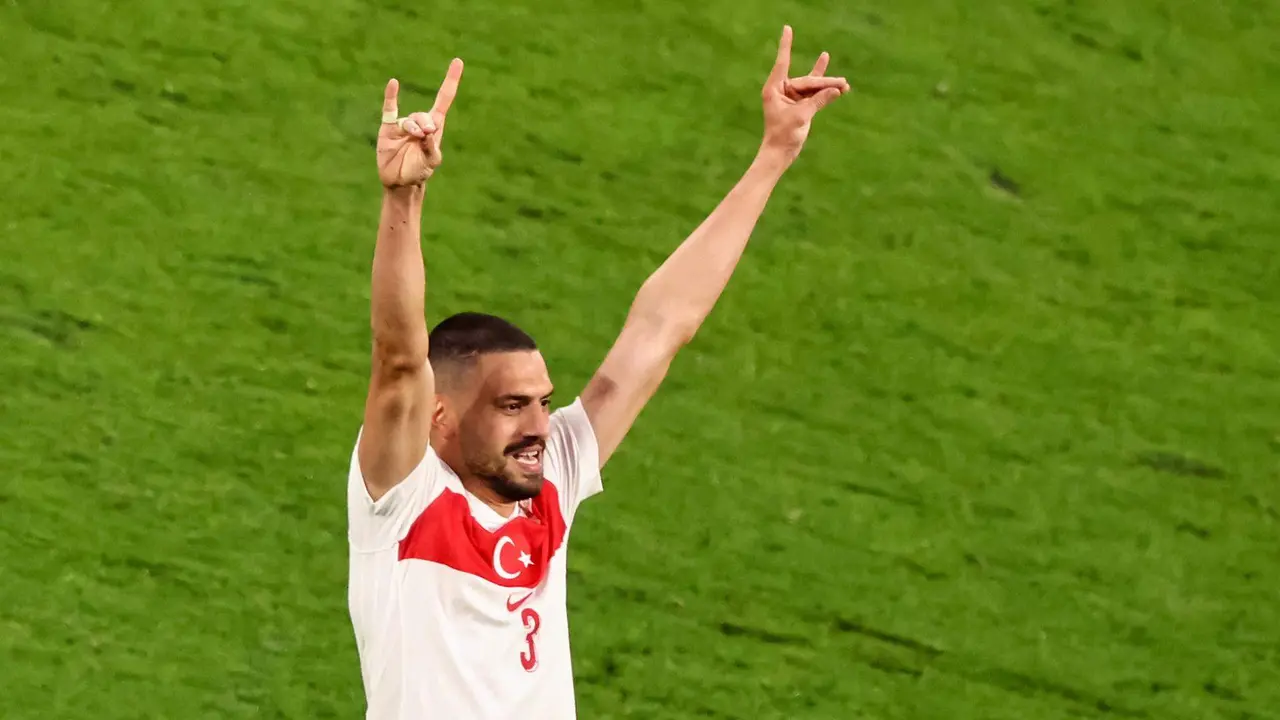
499,419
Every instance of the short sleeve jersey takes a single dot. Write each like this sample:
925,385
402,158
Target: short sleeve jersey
459,612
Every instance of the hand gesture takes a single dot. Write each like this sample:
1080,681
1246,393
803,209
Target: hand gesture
409,147
791,103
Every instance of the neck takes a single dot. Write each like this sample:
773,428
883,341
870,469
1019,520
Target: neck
484,494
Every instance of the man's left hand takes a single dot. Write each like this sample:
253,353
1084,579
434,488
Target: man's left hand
791,103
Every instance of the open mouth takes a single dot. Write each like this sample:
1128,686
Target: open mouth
529,459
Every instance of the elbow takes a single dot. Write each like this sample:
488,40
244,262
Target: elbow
399,349
667,330
398,361
664,323
666,316
679,332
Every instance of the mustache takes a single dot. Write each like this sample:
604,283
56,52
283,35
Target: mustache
524,444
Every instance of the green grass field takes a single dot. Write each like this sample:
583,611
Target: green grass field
987,426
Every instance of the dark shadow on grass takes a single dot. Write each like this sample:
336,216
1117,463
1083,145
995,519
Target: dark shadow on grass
1174,464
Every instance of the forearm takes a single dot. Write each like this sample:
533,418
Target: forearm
399,279
680,294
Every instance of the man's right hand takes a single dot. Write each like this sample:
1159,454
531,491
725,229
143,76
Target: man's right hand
409,147
398,409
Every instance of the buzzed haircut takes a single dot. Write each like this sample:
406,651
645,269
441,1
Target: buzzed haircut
459,339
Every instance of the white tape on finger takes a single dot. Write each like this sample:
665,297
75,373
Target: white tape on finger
388,118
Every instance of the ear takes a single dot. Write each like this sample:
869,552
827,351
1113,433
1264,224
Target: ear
440,413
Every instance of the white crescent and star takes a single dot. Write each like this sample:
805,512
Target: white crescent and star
525,559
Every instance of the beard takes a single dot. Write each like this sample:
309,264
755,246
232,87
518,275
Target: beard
513,487
496,471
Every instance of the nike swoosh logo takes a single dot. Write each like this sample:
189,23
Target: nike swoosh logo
512,606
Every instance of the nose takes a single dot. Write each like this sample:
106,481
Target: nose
536,422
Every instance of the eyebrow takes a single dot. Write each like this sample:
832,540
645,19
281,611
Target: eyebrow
523,398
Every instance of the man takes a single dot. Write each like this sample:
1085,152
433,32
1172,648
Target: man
463,484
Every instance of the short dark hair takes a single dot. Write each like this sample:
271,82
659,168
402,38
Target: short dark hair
468,335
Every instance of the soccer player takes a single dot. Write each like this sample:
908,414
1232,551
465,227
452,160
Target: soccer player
463,483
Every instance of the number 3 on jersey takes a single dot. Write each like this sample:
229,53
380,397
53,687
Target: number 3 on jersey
529,657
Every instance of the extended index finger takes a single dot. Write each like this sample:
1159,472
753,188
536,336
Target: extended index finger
448,89
782,65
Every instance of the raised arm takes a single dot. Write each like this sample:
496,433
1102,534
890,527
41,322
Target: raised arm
673,302
397,415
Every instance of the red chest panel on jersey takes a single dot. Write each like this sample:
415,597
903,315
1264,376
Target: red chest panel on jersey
515,555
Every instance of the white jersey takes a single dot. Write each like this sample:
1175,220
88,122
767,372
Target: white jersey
460,613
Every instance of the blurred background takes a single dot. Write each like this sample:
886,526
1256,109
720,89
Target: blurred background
987,424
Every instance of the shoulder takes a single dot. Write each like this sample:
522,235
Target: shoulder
571,444
380,523
574,417
573,455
